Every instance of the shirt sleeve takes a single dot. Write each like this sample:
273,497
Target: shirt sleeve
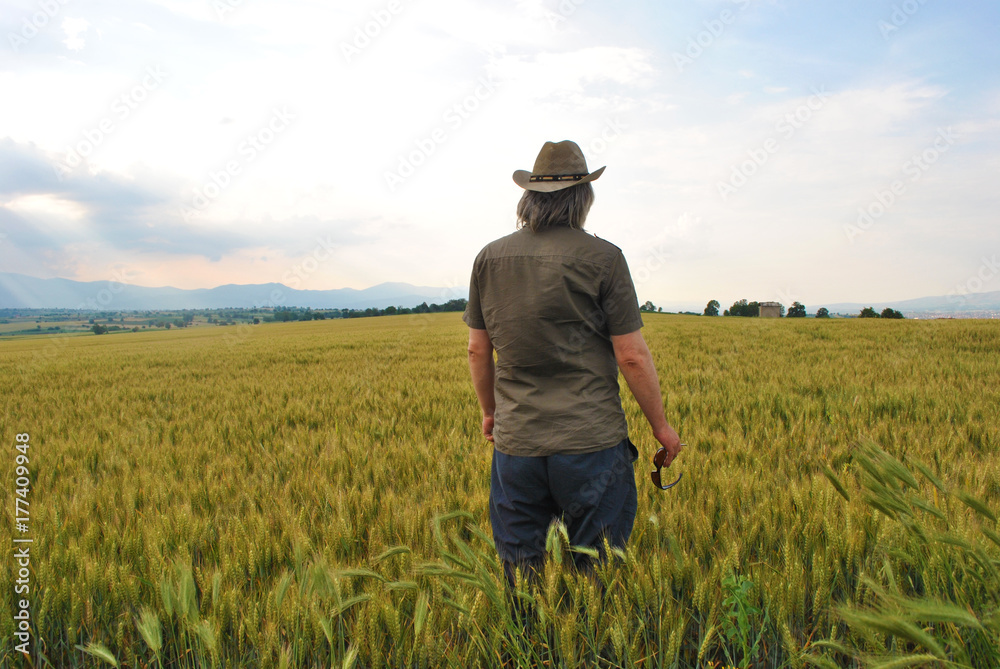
618,299
473,315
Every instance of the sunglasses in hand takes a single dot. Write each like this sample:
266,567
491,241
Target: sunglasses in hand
658,459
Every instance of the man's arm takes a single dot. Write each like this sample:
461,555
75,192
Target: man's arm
481,367
636,363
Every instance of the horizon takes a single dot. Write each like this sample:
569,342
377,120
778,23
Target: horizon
801,152
675,307
221,285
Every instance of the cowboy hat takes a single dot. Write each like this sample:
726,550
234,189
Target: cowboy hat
558,165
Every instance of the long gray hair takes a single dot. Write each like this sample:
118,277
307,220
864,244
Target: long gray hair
568,207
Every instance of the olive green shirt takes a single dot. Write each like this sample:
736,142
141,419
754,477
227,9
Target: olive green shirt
550,301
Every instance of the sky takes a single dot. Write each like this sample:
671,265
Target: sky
761,149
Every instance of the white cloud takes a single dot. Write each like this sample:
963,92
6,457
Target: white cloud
541,73
75,29
48,206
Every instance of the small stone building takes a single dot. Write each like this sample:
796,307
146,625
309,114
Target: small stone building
770,310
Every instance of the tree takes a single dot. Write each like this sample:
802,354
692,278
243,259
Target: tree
891,313
822,312
99,329
868,312
712,309
744,308
798,310
648,306
737,309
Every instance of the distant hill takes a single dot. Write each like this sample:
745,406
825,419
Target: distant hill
18,291
958,305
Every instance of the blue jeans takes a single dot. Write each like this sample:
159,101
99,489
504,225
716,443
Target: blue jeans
593,493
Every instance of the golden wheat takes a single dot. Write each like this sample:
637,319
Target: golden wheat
283,495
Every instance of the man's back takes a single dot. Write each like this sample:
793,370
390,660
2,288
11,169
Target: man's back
550,301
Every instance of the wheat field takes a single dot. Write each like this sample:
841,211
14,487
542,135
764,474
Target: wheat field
315,494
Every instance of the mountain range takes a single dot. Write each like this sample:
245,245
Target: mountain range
970,304
18,291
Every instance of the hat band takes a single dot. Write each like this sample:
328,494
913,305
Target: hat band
555,177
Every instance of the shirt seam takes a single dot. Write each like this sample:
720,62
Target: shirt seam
606,262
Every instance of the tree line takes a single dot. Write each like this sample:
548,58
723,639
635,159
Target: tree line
308,314
797,310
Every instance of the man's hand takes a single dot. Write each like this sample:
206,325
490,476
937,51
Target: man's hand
669,440
488,427
636,362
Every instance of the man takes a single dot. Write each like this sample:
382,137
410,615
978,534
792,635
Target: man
558,306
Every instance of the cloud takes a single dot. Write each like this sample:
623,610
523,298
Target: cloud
138,212
561,76
562,70
74,29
